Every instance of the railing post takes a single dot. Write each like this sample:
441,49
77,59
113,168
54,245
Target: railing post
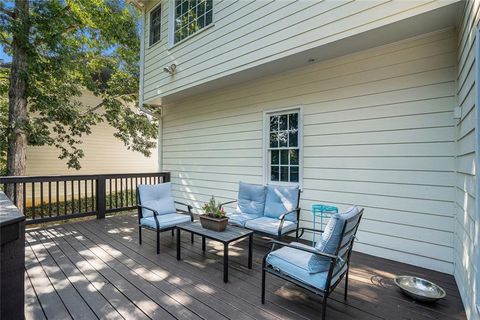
166,177
101,197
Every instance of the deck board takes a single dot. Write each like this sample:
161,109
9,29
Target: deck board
96,269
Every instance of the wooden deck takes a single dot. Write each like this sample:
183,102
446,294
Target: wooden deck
96,269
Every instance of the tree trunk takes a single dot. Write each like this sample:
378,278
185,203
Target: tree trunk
17,104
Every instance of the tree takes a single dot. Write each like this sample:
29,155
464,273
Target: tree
58,49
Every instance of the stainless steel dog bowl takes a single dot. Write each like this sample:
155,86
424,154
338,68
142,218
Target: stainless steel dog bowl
420,289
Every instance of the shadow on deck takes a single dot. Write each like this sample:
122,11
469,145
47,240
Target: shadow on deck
96,269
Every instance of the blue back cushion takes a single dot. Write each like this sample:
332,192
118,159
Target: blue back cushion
281,199
158,197
330,240
251,199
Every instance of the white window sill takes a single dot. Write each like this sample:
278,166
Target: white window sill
176,44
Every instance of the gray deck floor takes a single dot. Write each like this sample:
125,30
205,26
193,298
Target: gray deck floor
96,269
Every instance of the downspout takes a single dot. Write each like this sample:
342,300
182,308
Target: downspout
477,162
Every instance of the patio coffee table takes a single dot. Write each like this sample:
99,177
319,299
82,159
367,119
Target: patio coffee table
229,235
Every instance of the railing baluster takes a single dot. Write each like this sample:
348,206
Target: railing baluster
121,192
14,193
72,196
79,196
57,199
49,198
24,196
33,200
116,194
93,196
86,195
110,187
41,199
65,196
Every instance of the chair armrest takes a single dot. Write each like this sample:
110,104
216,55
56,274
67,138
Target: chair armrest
282,216
189,208
155,214
313,250
303,229
228,202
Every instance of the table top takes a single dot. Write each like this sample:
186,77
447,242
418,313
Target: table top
232,233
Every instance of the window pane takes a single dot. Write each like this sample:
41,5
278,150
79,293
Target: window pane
282,138
283,122
191,16
293,138
293,174
284,157
284,173
273,123
209,17
293,121
274,157
274,175
273,140
294,157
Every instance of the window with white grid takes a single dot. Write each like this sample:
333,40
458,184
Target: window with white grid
155,25
283,147
191,16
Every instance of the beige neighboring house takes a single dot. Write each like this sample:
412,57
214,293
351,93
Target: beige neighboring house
103,154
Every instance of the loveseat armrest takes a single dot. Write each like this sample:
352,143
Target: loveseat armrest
155,214
189,208
228,202
282,216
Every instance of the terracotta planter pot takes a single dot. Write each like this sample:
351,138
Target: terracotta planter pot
215,224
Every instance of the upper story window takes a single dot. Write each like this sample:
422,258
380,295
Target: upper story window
191,16
155,25
283,147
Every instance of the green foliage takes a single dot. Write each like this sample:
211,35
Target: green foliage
213,208
73,46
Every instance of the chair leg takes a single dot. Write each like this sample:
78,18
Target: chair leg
191,237
346,286
140,235
263,286
296,234
324,307
173,232
158,241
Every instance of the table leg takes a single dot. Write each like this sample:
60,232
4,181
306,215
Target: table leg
225,262
314,227
178,244
250,247
203,244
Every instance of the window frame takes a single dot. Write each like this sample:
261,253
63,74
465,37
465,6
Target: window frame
266,145
171,25
149,24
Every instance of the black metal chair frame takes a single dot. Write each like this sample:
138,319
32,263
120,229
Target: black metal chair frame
333,262
155,214
281,218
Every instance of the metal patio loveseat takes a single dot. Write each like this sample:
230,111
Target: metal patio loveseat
270,210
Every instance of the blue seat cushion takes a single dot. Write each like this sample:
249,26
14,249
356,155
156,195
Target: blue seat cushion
270,225
239,219
165,220
279,200
158,197
330,240
294,263
251,199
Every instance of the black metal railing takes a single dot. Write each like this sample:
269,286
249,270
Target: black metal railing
53,198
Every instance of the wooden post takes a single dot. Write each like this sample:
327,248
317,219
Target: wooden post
101,197
166,177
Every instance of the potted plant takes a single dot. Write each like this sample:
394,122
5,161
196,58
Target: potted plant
214,217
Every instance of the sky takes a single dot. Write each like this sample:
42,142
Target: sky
4,56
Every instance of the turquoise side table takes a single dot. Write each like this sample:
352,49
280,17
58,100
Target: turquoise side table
322,211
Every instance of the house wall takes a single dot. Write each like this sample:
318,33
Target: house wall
103,154
467,222
378,132
250,33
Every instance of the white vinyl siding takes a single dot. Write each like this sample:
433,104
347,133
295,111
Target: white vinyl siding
467,222
378,132
250,33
